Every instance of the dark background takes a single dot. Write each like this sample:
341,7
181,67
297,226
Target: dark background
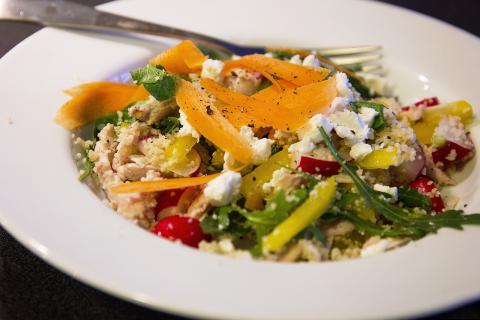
32,289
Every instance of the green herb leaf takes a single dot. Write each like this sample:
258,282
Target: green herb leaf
168,125
282,55
401,217
156,81
112,118
412,198
362,89
379,122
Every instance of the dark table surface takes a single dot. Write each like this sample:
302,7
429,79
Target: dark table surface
32,289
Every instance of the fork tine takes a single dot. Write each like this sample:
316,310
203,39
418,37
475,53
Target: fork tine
356,59
340,51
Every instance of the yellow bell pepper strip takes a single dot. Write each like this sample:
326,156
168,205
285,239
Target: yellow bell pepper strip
431,117
380,159
178,153
185,57
259,113
320,199
252,183
163,184
296,74
96,99
202,114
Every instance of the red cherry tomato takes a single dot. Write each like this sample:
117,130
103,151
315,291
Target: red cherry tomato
168,198
427,102
427,187
317,166
443,153
178,227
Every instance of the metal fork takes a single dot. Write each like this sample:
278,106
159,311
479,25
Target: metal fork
65,14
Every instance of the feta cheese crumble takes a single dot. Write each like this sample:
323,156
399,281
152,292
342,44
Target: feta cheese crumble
262,148
393,191
310,134
296,59
360,150
311,61
344,87
223,189
212,69
368,115
187,128
350,126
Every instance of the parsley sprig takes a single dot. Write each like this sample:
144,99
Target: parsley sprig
405,221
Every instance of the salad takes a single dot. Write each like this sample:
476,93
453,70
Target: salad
273,157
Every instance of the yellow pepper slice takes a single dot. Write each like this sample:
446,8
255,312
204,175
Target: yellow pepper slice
321,198
431,117
380,159
178,149
252,183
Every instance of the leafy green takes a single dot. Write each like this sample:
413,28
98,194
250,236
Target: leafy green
418,224
225,220
379,122
263,84
114,118
413,198
87,164
212,53
156,80
275,148
234,220
362,89
282,55
168,125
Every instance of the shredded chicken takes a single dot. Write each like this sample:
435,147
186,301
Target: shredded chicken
243,81
152,111
138,207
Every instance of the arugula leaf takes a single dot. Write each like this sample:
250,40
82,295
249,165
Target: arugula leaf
112,118
263,85
224,220
370,228
156,80
379,122
282,55
401,217
212,53
362,89
168,125
413,198
313,231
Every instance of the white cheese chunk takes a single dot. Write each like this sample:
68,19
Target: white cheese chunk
187,128
350,126
368,115
223,189
311,61
262,148
212,69
360,150
393,191
296,59
344,87
310,134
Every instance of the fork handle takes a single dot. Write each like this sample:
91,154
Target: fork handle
68,14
